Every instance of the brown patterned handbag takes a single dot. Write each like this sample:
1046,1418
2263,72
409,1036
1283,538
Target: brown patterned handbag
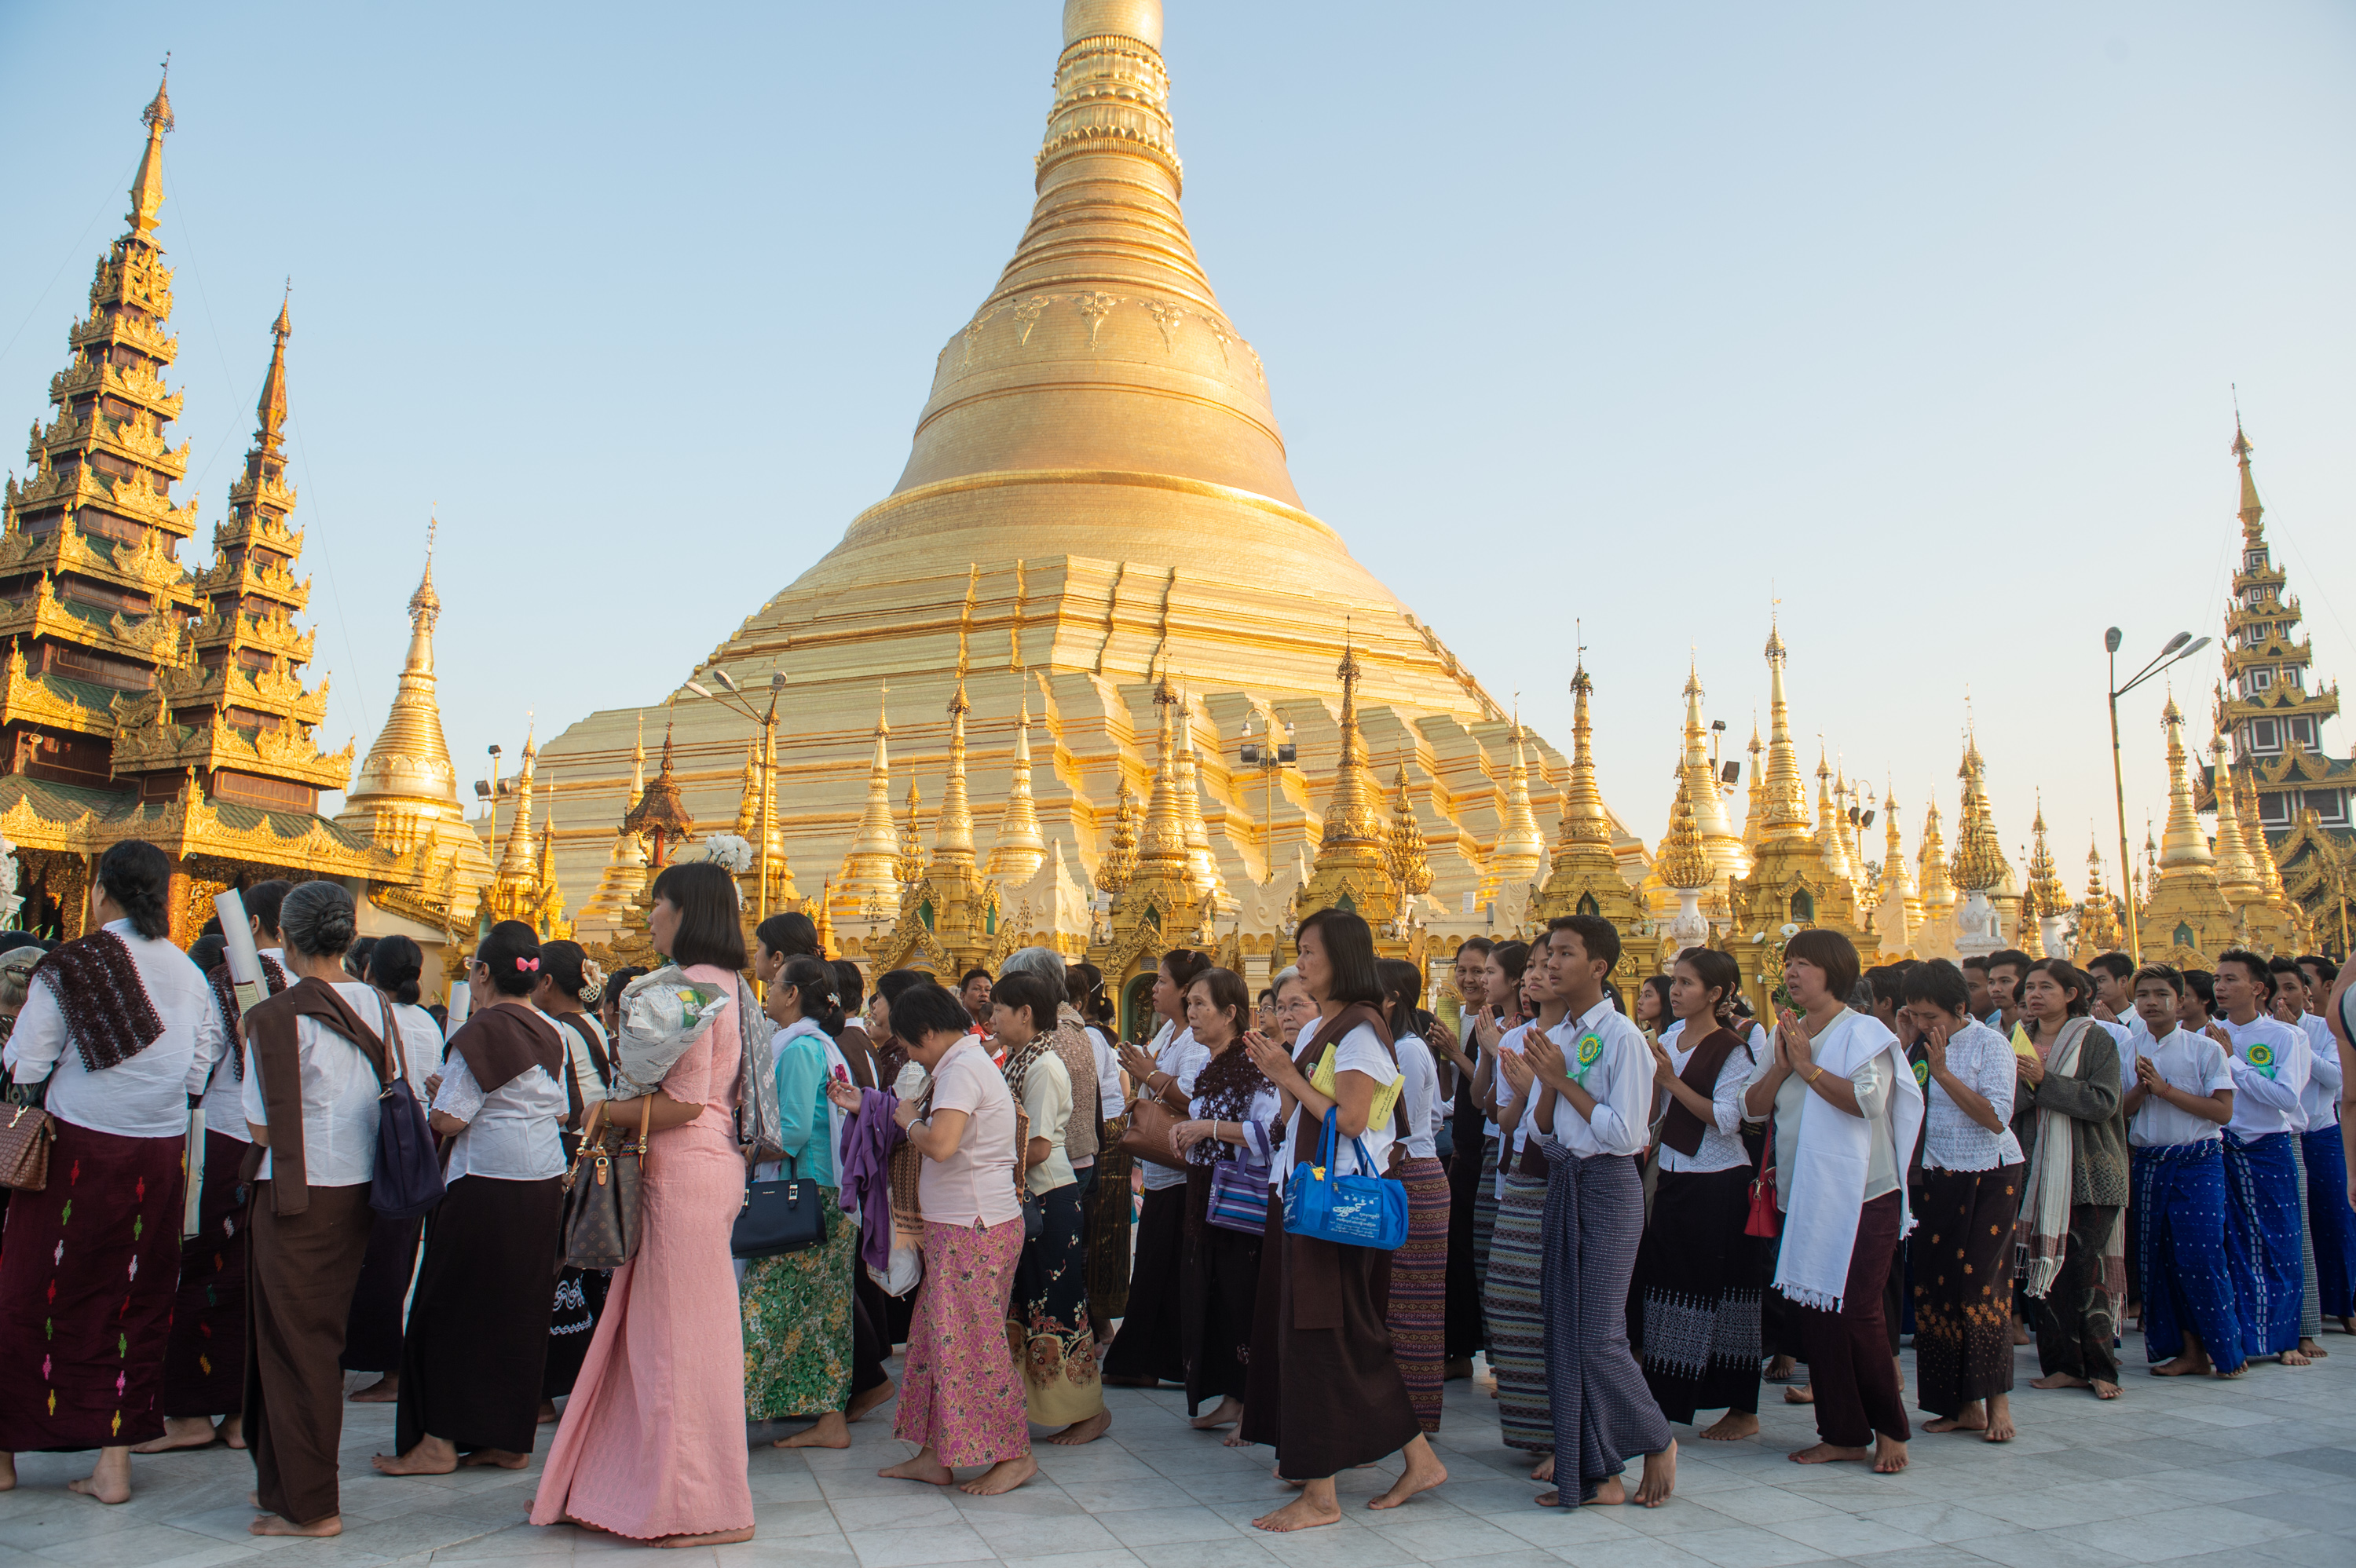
26,1134
603,1191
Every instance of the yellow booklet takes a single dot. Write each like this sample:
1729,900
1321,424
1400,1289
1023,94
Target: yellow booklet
1385,1097
2020,1045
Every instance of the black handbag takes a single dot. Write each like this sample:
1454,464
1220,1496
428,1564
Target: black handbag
780,1217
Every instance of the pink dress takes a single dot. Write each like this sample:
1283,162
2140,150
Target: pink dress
652,1443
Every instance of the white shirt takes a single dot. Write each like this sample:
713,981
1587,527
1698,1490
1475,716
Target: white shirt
1174,1052
1048,1101
1360,1051
2190,1063
339,1096
420,1045
224,1091
2320,1098
1621,1080
1422,1097
511,1131
1982,1060
1721,1138
2265,1097
584,1066
1509,1146
147,1096
1107,1073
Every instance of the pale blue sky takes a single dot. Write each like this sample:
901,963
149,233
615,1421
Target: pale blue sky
1928,316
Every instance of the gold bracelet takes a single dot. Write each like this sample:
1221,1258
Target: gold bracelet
1811,1080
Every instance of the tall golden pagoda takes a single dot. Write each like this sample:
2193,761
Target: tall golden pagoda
1406,855
1683,866
1585,877
625,877
1898,911
1938,896
1353,870
1832,843
1098,477
1783,798
867,888
523,887
949,912
2099,930
2046,904
1156,904
760,780
2185,919
1520,852
1017,852
1698,782
1755,807
2246,872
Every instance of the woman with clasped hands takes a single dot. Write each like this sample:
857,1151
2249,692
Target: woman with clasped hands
1845,1104
1325,1390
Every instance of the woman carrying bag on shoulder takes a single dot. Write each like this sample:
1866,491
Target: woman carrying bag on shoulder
651,1445
1324,1390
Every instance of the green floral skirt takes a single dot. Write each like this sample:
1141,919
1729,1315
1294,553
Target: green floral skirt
796,1313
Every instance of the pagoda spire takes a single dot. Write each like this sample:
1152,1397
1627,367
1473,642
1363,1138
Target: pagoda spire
1201,865
870,866
1353,865
1931,864
1755,805
515,860
2183,846
1584,876
1682,865
147,185
1830,843
2237,874
269,410
1020,850
1585,819
624,876
1521,844
1979,864
2252,511
1786,795
1162,846
1354,813
2253,832
953,829
1698,782
1893,849
2048,899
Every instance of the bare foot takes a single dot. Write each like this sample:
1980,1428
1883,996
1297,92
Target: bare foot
180,1432
1972,1417
2293,1359
1610,1492
1302,1513
2347,1324
1733,1428
1828,1453
547,1412
232,1431
1804,1393
1423,1472
921,1466
831,1431
110,1481
2059,1380
1544,1471
2105,1390
1781,1370
861,1404
1999,1419
2310,1349
7,1472
1660,1478
2019,1332
504,1458
1889,1455
1237,1439
2188,1365
717,1537
1003,1476
272,1524
1230,1411
432,1456
386,1390
1088,1431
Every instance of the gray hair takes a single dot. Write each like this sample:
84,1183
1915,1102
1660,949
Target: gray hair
1291,972
318,919
1042,964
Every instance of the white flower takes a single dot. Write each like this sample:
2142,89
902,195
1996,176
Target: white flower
731,851
1789,931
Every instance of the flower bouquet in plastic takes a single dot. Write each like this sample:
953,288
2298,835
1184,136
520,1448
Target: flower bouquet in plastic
662,1013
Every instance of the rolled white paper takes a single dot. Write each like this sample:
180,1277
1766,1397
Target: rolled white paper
237,938
462,1002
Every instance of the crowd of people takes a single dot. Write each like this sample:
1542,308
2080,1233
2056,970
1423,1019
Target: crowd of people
1638,1208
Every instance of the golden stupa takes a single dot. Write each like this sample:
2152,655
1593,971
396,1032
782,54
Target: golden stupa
1096,499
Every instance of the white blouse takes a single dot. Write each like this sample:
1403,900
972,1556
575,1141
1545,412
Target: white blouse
511,1131
339,1095
2320,1098
1360,1051
1982,1061
2192,1063
1109,1096
1721,1146
1174,1052
1424,1106
146,1096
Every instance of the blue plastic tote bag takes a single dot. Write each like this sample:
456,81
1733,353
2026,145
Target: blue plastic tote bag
1362,1211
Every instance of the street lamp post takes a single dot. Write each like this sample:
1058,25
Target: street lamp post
2160,661
767,779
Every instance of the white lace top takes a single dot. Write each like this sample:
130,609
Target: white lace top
1982,1060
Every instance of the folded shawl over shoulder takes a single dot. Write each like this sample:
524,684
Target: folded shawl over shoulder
270,1032
1830,1164
500,1043
274,980
1681,1129
108,1015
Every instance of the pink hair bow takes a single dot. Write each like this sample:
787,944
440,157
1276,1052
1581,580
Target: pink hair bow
526,966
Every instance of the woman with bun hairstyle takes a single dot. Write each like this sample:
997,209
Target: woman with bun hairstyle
570,984
651,1447
478,1328
121,1027
373,1333
316,1062
797,1306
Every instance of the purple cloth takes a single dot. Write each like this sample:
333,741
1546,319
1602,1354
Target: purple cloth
869,1136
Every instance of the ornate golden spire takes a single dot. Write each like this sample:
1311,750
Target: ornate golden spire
1682,864
661,816
1354,866
1020,850
2253,832
870,867
1931,864
1162,846
411,759
2183,846
1698,782
2047,899
1120,862
2098,918
1520,849
1979,864
1893,850
911,867
2237,874
270,410
147,185
1754,805
2253,512
1202,866
1786,795
1353,812
1410,865
953,833
515,859
1832,846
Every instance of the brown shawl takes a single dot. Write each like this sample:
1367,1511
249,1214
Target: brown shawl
108,1015
1681,1129
277,1047
274,980
1315,1265
1079,1058
500,1043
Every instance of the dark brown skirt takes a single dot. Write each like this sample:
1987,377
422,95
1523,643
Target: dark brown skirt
204,1367
301,1269
1325,1391
1109,1228
470,1371
1220,1289
1152,1341
372,1330
1962,1287
88,1269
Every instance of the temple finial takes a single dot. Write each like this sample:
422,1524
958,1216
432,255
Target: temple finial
147,185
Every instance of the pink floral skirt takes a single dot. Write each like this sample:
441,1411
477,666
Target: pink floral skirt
960,1393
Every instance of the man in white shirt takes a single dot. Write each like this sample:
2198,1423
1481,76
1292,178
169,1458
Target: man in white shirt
2179,1096
1593,1123
2332,1222
2268,1060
